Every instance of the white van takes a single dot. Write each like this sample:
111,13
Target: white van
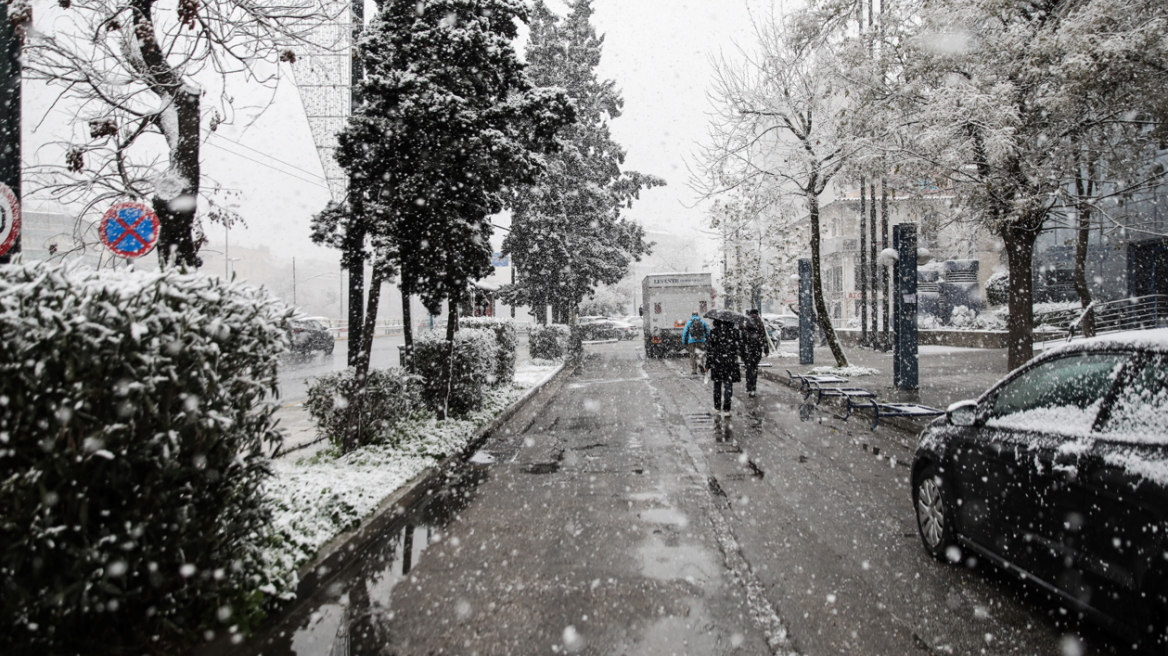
670,299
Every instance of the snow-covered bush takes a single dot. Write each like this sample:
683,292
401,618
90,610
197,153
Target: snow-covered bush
963,317
506,341
473,367
391,396
549,342
997,288
131,457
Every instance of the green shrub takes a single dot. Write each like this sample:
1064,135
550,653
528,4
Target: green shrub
549,342
131,457
997,289
391,395
474,363
506,342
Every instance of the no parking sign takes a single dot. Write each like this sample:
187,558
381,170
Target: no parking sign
9,218
129,229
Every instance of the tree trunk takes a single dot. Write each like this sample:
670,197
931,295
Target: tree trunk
357,403
1019,244
1084,189
353,259
448,364
837,351
407,329
178,119
176,216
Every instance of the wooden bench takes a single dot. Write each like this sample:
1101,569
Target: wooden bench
892,410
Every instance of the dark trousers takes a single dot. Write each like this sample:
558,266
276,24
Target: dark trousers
722,394
751,375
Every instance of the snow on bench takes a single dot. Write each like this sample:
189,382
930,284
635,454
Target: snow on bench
879,410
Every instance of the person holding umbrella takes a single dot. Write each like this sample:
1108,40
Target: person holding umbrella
722,352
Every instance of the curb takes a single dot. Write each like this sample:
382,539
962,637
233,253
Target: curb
338,554
332,556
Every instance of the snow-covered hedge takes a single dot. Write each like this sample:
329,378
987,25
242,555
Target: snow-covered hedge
474,366
391,396
549,342
131,460
506,341
997,288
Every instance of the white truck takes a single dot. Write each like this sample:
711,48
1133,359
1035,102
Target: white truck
669,300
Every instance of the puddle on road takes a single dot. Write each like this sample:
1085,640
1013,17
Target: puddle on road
349,614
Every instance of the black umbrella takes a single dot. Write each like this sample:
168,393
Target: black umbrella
727,315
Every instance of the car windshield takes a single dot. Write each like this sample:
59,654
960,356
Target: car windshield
1063,394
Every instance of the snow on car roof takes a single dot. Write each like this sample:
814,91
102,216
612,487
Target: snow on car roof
1155,339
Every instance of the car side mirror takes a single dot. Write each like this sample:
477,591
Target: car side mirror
962,413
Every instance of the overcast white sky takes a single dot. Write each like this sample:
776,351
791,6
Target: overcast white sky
658,51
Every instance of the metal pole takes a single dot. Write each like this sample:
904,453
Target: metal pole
293,282
806,321
906,320
10,111
897,308
883,244
872,267
863,280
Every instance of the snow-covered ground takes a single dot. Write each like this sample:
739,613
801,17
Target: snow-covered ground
318,497
850,371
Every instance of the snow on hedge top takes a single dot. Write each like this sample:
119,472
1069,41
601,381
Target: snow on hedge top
167,316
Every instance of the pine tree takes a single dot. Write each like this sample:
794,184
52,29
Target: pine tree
449,122
567,233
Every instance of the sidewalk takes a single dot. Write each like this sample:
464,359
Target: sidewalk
947,374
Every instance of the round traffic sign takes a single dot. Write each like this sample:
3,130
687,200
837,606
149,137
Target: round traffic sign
129,229
9,218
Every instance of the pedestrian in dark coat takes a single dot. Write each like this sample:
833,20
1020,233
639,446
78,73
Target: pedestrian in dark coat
722,352
755,345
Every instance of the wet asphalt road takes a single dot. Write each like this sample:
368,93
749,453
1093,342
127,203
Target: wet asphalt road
626,520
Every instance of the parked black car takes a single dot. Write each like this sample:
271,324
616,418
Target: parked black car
308,335
1059,474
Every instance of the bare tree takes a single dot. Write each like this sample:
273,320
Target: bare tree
778,113
129,73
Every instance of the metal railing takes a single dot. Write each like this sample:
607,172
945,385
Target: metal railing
1136,313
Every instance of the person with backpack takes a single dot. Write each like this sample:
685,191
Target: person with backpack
694,337
755,345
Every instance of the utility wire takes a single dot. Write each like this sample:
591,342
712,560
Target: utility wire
241,145
311,182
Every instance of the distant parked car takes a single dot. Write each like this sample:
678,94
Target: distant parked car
308,335
602,329
628,330
1059,474
785,326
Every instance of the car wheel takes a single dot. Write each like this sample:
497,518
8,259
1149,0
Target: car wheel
935,511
